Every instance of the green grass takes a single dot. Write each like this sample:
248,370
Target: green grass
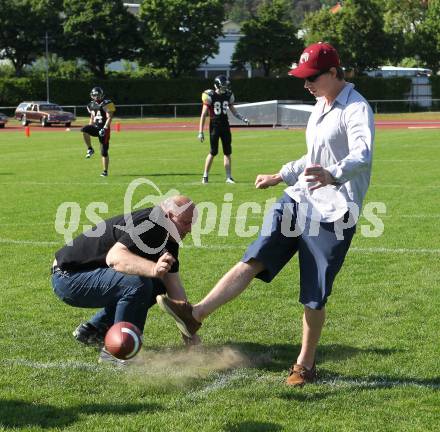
378,358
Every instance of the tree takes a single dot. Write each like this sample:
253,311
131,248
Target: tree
427,36
99,33
23,24
356,31
269,40
401,20
241,10
180,34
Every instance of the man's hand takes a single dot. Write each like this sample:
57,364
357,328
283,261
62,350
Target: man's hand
201,137
102,132
163,265
192,341
318,174
263,181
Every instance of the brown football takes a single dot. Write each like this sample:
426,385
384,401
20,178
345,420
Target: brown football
123,340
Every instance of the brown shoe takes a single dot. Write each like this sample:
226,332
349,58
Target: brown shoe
300,375
181,311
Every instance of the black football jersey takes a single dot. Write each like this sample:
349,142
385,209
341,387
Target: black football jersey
218,105
100,110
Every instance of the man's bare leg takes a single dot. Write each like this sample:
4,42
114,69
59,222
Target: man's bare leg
227,163
208,163
233,283
313,322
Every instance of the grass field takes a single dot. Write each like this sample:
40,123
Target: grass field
379,355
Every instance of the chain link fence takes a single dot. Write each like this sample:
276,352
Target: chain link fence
180,110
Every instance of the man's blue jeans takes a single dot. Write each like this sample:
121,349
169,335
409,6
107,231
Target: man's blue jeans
123,297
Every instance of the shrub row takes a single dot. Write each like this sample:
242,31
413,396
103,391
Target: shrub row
142,91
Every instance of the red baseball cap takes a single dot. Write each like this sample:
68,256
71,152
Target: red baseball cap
316,58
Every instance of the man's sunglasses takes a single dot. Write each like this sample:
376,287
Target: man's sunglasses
313,78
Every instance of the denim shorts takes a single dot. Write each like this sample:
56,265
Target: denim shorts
321,250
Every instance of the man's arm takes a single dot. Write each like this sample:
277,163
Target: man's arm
92,117
359,121
108,121
237,114
201,136
174,286
121,259
263,181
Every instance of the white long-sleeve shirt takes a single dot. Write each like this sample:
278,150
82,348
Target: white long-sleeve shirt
340,139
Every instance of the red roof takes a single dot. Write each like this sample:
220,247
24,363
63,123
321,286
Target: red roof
336,8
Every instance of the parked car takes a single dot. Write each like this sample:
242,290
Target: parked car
45,113
3,120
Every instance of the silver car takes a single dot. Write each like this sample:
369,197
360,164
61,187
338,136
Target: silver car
3,120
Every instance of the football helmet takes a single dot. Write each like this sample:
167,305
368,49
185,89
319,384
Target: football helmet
221,83
97,94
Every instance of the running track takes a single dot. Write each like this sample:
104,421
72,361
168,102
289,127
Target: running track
192,126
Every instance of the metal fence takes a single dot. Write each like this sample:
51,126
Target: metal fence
179,110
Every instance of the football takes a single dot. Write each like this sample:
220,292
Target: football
123,340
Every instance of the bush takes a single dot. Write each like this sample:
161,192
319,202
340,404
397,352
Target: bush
435,87
183,90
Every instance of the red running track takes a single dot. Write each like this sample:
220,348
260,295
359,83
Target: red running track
191,126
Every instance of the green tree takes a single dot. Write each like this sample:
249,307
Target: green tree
401,19
180,34
269,39
99,32
241,10
357,31
23,24
427,36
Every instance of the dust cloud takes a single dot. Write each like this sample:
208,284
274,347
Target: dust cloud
179,366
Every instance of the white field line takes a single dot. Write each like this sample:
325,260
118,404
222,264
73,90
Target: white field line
112,184
224,380
254,216
403,160
29,242
195,183
52,365
223,247
352,249
386,383
423,127
395,250
257,217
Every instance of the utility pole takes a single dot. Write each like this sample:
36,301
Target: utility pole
47,66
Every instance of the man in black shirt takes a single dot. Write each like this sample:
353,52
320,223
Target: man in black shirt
122,264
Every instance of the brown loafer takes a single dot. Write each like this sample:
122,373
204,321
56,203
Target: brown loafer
181,311
300,375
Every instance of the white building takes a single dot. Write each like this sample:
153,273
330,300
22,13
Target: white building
221,62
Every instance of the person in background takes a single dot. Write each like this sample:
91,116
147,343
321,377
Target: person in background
216,103
101,111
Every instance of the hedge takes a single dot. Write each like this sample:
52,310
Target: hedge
435,87
143,91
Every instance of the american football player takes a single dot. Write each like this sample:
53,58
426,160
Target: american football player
216,103
101,111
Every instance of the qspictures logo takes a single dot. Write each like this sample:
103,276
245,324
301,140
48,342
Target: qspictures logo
218,219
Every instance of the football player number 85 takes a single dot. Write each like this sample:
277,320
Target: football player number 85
218,107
